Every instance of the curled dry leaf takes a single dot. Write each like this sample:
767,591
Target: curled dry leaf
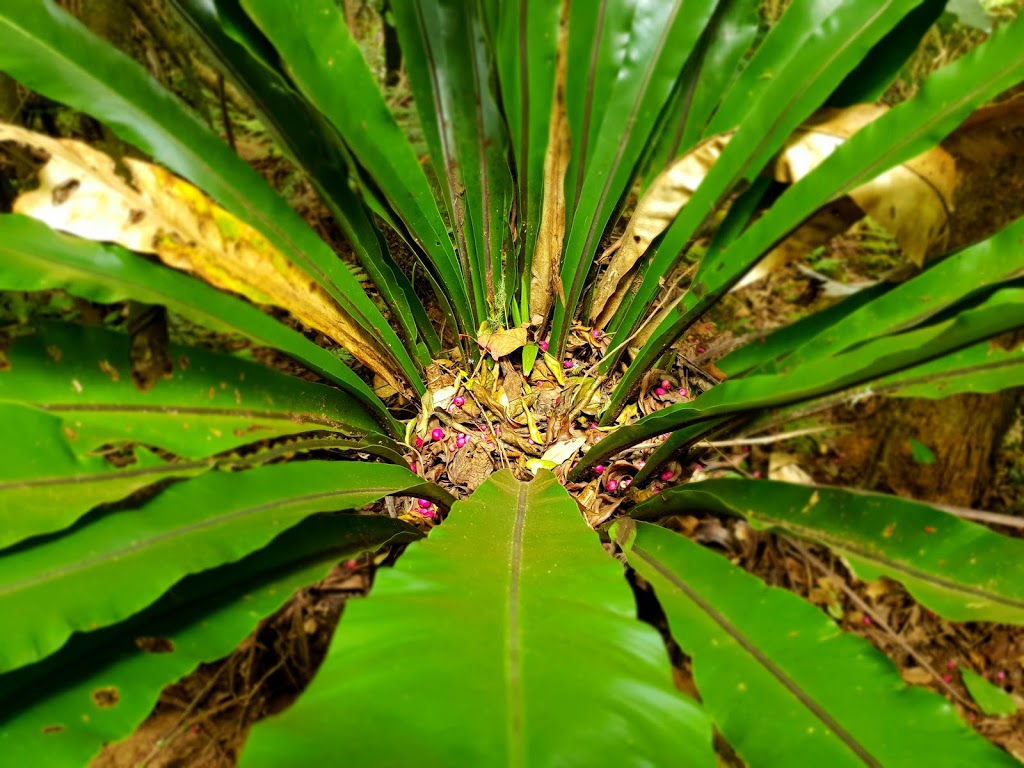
913,201
502,342
158,213
561,452
659,206
785,467
545,283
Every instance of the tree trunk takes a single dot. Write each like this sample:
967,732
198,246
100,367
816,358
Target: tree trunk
963,432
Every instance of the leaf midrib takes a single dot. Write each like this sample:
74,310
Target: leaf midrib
301,417
845,545
513,660
749,647
118,554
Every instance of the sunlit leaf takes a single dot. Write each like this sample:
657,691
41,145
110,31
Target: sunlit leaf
80,193
784,684
540,615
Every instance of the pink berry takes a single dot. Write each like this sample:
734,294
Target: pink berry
757,474
666,384
599,469
595,334
950,664
351,564
458,401
418,441
426,512
412,466
567,364
667,475
867,621
437,434
641,464
701,350
1000,675
529,441
698,467
659,391
462,440
612,485
947,678
626,482
424,503
683,391
543,346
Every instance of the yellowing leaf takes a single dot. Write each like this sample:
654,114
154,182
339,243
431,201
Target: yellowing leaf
535,434
160,214
547,256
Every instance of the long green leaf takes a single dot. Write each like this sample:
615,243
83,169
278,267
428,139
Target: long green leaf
525,42
784,340
449,67
886,356
49,51
957,568
805,695
725,43
328,67
988,263
45,486
906,131
310,142
792,73
211,403
33,258
105,571
545,622
982,369
53,708
661,37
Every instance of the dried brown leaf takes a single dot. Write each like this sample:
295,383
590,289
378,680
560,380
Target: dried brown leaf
545,282
502,342
659,206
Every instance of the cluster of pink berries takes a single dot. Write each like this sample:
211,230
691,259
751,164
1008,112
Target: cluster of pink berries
461,439
662,390
612,485
426,508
